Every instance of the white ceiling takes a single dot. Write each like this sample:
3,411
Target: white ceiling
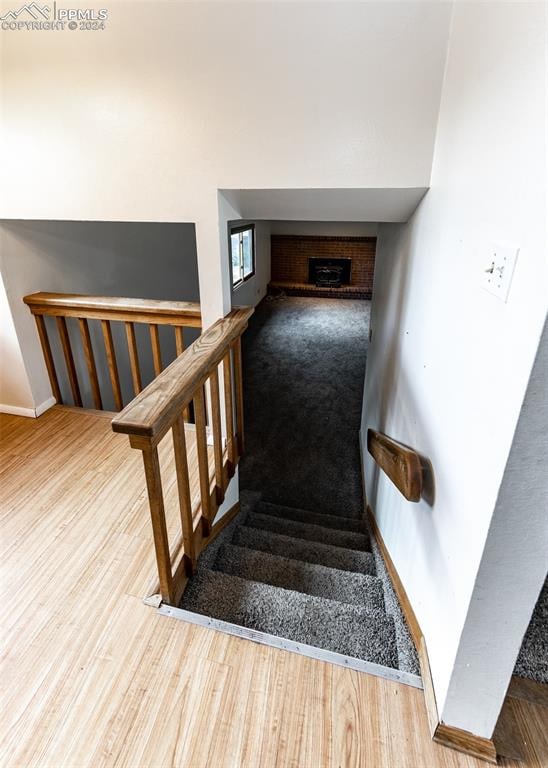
378,205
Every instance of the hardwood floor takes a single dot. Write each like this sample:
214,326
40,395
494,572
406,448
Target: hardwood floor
93,677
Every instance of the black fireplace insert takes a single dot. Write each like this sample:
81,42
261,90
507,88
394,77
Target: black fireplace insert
329,273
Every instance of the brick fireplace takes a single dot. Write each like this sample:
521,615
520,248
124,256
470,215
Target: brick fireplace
308,265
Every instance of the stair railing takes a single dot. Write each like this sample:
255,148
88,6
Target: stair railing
406,468
107,309
196,377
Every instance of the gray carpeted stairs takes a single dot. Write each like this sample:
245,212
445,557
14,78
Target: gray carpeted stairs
300,575
309,575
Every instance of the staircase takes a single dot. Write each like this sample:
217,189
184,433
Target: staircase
299,575
307,576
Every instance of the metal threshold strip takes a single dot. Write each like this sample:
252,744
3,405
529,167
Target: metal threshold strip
395,675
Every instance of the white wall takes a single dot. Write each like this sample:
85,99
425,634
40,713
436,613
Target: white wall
156,261
15,392
449,363
148,118
325,228
250,292
514,564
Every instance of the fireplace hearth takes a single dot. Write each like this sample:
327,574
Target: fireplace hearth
329,273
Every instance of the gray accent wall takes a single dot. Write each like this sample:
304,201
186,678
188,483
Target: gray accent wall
141,260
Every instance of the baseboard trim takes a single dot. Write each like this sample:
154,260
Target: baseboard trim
30,413
45,406
399,589
16,410
468,743
447,735
428,687
88,411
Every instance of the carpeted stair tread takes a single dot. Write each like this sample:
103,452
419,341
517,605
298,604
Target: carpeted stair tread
310,532
313,579
340,627
315,518
301,549
532,660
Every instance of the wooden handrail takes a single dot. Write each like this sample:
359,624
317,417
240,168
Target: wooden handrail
153,411
402,464
193,378
185,313
106,310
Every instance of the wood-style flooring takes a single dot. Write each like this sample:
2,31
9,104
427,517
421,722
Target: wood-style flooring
92,677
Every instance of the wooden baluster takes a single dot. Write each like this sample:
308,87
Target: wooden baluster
158,518
185,500
156,351
133,357
206,401
179,340
112,365
69,360
90,362
48,357
217,436
229,413
203,459
237,347
180,348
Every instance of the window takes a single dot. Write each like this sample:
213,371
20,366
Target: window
242,253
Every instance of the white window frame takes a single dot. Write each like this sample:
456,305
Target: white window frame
240,230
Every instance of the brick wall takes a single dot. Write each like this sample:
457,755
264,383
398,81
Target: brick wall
290,254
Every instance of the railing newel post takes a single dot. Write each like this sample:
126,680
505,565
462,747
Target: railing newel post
153,477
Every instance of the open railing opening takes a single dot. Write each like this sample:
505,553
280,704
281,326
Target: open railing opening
80,310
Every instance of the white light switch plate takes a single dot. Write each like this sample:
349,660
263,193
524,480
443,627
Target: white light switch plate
499,264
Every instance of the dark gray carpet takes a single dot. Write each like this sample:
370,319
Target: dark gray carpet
308,551
299,562
331,624
309,531
533,656
345,586
304,365
304,516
